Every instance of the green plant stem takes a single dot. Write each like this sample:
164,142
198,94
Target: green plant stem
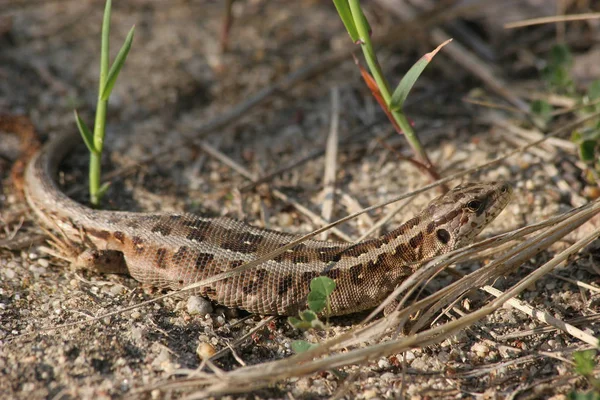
414,142
367,48
100,122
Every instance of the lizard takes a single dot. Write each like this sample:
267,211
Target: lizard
172,250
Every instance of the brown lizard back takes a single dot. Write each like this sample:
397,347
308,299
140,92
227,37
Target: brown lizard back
174,250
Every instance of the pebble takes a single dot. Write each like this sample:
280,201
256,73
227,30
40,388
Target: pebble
162,361
388,376
205,350
480,349
198,306
117,290
43,262
136,315
9,273
137,334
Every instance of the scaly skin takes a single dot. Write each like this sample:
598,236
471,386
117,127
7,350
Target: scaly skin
175,250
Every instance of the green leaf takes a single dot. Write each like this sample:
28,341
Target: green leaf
560,56
587,150
301,346
317,324
117,65
557,77
584,396
542,109
102,189
362,20
593,91
104,45
86,134
308,315
345,14
299,324
316,301
404,87
585,361
322,284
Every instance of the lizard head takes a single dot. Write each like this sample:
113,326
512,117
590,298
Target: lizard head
459,215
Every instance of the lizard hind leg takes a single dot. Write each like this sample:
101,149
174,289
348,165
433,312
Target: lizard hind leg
104,261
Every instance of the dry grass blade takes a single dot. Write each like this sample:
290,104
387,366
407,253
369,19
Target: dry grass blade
565,128
551,20
508,261
330,160
547,318
254,377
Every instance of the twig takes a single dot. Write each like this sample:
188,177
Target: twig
545,317
551,20
303,238
330,160
276,193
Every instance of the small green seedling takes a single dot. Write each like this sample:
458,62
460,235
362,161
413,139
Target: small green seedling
557,71
585,363
588,145
542,112
108,78
359,30
319,299
558,78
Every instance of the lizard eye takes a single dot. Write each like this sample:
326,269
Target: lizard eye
474,205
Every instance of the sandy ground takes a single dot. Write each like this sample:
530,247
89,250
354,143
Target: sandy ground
175,81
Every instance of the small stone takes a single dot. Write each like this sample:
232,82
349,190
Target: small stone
383,363
9,274
162,361
43,262
117,290
205,350
480,349
198,306
137,334
388,376
370,394
28,387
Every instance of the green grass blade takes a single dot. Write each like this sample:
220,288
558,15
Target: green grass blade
104,46
85,132
117,65
102,189
404,87
345,14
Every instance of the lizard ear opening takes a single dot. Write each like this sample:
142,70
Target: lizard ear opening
443,235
